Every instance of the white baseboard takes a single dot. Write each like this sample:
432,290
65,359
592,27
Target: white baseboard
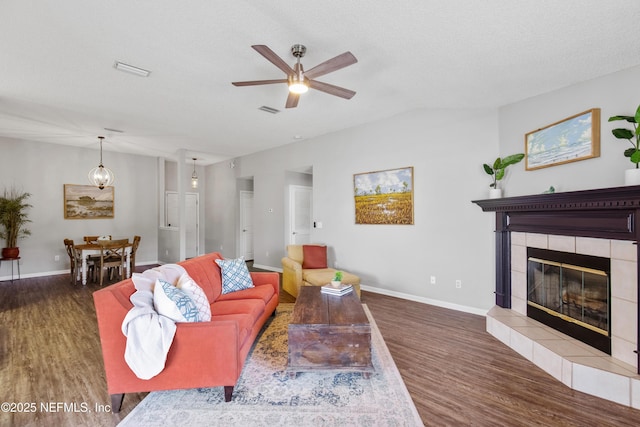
266,267
55,272
437,303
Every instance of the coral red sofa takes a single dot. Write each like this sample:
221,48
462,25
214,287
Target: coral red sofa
202,354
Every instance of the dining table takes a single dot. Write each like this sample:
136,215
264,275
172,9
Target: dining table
87,249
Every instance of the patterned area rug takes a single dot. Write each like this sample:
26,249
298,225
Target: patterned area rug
266,396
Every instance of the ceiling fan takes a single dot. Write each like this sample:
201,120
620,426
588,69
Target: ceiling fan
298,80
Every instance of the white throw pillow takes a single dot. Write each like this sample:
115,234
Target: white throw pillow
173,303
197,295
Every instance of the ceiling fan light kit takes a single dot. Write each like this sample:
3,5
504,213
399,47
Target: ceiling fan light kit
300,81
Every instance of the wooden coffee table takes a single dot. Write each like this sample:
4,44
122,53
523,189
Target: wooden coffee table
329,332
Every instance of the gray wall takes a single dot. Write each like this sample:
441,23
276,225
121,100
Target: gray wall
42,170
451,238
614,94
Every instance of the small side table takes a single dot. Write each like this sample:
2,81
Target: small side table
17,260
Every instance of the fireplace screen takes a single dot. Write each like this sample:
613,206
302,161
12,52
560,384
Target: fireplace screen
577,294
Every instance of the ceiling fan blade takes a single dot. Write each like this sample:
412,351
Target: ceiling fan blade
331,89
259,82
331,65
292,100
273,58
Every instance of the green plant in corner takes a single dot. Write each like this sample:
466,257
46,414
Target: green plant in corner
338,276
499,167
13,216
633,136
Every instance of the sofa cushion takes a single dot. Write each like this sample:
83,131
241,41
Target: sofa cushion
264,293
206,273
235,275
173,303
195,292
252,307
315,256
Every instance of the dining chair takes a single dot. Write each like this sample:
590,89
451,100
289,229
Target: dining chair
75,261
113,255
132,255
90,239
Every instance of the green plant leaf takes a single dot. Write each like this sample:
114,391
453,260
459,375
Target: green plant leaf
499,174
627,118
487,169
512,160
635,157
637,117
622,133
629,152
497,164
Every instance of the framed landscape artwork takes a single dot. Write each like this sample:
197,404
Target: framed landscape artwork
384,197
570,140
87,202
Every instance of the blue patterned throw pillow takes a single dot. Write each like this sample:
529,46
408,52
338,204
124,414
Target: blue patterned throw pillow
235,275
173,303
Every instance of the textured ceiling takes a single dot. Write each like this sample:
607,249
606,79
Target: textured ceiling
58,84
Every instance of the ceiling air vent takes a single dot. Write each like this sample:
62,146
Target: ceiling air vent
269,109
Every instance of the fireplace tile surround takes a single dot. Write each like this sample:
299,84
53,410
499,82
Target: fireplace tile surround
576,364
601,223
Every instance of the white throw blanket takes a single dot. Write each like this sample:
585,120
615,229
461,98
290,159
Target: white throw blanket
149,335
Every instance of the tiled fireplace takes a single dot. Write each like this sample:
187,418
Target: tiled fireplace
594,223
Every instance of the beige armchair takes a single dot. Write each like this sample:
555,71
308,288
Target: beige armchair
312,270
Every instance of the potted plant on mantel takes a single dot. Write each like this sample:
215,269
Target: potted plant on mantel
497,171
631,176
13,220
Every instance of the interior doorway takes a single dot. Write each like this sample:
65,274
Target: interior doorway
192,218
300,214
246,225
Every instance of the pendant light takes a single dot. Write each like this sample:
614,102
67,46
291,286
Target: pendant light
194,175
100,176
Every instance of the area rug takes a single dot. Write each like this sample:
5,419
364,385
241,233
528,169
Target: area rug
265,395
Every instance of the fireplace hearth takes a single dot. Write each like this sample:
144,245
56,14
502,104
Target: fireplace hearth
570,293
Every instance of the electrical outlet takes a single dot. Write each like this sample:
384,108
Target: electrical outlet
458,284
433,280
56,258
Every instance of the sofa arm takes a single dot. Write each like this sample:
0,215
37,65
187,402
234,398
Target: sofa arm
266,278
291,276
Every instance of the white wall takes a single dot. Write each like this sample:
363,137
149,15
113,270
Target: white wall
42,170
451,238
614,94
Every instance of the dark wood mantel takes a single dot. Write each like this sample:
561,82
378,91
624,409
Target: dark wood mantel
606,213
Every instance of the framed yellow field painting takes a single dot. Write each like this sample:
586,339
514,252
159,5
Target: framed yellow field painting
570,140
384,197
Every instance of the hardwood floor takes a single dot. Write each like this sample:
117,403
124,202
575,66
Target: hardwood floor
457,374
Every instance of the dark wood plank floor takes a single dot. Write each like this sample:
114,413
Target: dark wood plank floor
457,374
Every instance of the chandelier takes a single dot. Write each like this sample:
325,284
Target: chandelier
100,176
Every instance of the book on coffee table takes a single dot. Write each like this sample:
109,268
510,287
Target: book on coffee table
340,289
